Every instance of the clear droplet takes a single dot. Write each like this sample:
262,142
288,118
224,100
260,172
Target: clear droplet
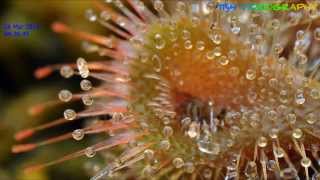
117,117
262,141
200,45
148,170
78,134
189,167
217,51
235,29
251,74
273,82
291,118
66,71
137,42
234,131
251,169
85,85
105,15
158,5
83,67
274,133
313,13
166,120
215,36
297,133
282,60
186,121
144,58
288,173
278,152
181,7
300,35
159,41
188,44
210,6
272,115
164,145
252,96
230,142
284,96
272,165
65,95
316,34
209,147
118,3
90,15
178,162
302,58
167,131
299,97
232,54
148,154
90,152
311,118
121,22
87,100
89,47
193,130
186,34
305,162
69,114
265,71
278,48
195,21
207,173
275,24
223,60
173,37
315,94
210,55
259,39
294,18
172,25
157,66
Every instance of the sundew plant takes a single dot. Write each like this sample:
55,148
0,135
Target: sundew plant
194,92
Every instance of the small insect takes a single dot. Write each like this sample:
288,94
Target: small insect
195,92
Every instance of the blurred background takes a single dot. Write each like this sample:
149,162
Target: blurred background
19,89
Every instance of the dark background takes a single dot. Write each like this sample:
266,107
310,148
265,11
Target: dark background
19,89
